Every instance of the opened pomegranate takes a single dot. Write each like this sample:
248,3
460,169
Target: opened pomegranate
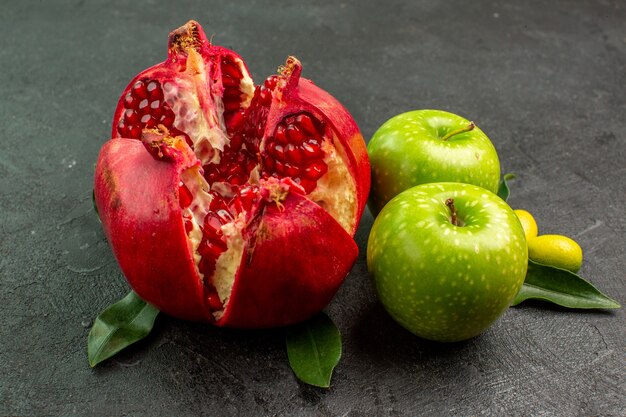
227,202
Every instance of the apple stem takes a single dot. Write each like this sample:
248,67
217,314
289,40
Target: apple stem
467,128
453,218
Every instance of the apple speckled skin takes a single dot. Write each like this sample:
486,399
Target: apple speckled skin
441,281
409,150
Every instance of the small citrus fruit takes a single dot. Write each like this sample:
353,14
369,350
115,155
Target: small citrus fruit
528,223
556,250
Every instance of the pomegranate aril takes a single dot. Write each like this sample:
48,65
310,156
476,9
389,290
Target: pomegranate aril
268,163
207,265
167,119
265,96
315,170
312,150
231,69
231,105
294,134
131,116
224,216
308,185
293,154
236,120
213,301
188,225
148,121
280,135
235,142
139,90
134,132
211,249
305,122
229,81
279,167
154,91
143,106
184,196
212,225
270,82
292,170
155,109
130,101
279,152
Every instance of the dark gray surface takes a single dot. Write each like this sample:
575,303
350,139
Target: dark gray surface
546,81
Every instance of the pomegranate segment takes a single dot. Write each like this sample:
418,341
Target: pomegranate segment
295,150
252,194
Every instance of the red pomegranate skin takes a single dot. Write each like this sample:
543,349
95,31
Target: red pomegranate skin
298,260
137,198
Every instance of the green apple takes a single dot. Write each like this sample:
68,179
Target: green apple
447,259
425,146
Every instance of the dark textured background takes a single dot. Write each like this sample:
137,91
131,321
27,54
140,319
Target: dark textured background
546,81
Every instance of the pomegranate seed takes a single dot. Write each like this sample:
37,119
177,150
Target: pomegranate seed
235,170
155,108
213,300
268,163
270,82
306,123
279,151
207,265
130,101
143,106
294,134
236,120
134,132
308,185
231,105
260,130
265,96
154,91
167,119
293,154
235,142
188,225
184,196
315,170
224,216
279,168
131,116
229,81
291,170
312,150
211,221
280,135
139,90
210,250
231,69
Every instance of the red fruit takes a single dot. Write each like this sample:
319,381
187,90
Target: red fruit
239,204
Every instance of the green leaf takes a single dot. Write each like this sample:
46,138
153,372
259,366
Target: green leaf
562,287
503,189
119,326
314,349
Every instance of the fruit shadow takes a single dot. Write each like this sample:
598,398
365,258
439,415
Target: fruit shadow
376,335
